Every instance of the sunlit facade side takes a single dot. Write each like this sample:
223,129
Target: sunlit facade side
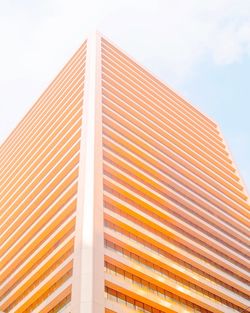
38,195
117,195
175,210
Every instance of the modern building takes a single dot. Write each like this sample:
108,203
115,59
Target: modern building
117,195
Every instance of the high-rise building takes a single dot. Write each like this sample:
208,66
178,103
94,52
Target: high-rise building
117,195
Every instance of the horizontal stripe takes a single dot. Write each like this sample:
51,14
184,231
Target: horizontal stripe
180,103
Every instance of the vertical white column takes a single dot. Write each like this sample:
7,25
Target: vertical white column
88,267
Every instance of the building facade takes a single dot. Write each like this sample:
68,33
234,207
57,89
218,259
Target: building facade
117,195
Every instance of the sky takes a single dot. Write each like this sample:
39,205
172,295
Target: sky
199,48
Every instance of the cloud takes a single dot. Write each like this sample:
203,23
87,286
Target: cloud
169,36
180,32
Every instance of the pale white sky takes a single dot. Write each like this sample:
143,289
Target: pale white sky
200,48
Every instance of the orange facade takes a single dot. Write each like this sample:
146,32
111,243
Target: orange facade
117,195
